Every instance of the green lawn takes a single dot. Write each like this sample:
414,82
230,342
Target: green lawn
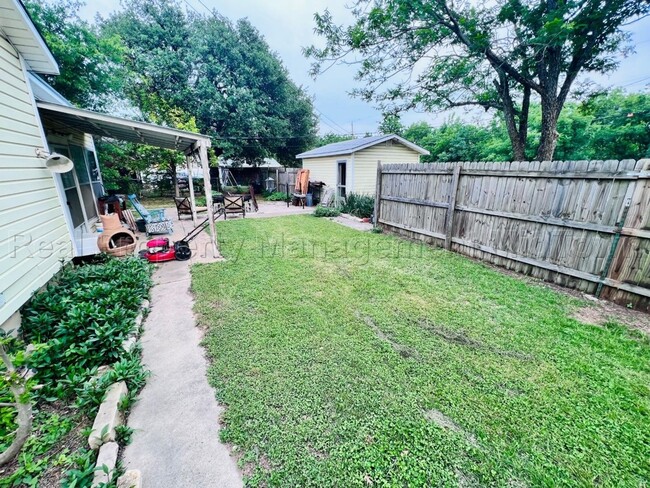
351,359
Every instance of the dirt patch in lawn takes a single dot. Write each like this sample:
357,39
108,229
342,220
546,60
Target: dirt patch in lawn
600,312
447,423
462,339
596,312
70,443
53,476
404,351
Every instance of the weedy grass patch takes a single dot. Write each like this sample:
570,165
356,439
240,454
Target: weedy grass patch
359,359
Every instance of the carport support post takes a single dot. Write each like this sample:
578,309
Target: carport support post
203,153
190,180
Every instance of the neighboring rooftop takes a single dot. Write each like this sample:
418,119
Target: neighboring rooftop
17,27
354,145
268,163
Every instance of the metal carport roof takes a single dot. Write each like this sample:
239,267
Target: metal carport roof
124,129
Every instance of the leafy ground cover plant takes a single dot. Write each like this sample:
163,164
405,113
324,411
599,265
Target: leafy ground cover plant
361,206
395,364
77,323
326,212
277,196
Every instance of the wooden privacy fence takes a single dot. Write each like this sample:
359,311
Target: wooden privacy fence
582,224
284,176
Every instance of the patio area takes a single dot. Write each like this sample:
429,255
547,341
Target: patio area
201,246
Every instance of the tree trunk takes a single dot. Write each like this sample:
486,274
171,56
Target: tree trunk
549,134
23,406
517,142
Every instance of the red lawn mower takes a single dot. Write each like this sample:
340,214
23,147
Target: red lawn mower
160,250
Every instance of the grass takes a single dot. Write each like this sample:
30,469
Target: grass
350,359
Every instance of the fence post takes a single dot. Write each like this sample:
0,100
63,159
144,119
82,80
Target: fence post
449,220
630,195
377,195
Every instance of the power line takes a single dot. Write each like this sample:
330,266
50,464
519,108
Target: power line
637,81
192,7
206,7
345,131
329,118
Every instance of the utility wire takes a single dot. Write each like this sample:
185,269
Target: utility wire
192,7
345,131
206,7
637,81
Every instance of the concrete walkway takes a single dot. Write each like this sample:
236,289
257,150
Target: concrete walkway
176,419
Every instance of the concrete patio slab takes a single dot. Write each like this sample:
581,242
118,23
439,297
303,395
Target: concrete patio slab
176,419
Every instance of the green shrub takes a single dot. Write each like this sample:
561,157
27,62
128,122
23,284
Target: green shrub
277,196
235,189
81,319
361,206
326,212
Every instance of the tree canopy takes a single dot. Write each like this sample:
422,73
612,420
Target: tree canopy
222,73
499,55
175,69
91,65
605,126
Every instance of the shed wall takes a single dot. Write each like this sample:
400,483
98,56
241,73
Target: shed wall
365,163
324,169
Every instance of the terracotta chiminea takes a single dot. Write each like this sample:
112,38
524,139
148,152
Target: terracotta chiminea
115,240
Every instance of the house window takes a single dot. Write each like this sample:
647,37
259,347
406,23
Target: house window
341,178
78,186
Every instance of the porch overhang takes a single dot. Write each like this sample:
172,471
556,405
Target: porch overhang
102,125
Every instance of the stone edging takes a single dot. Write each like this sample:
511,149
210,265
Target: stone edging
109,416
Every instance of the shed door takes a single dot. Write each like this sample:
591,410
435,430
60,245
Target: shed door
341,178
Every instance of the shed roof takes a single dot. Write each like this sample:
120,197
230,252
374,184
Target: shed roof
17,26
354,145
117,128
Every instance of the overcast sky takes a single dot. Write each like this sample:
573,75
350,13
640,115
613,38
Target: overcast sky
288,26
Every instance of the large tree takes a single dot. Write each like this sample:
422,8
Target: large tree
91,65
496,55
614,125
222,73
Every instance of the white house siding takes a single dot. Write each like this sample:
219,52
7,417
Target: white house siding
324,169
365,163
34,235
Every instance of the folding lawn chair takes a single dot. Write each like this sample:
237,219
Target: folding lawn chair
233,205
184,207
155,220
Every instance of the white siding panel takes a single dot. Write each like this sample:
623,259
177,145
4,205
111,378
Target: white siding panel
10,188
33,208
20,139
12,108
365,163
16,125
22,254
323,169
46,196
30,209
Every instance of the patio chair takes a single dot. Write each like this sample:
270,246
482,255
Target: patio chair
184,207
155,220
233,205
